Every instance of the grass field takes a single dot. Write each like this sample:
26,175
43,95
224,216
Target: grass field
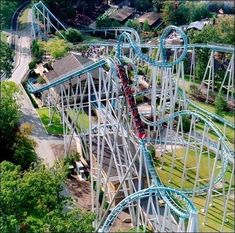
216,211
176,174
56,128
215,214
82,120
229,116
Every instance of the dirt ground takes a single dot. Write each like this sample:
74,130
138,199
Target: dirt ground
80,191
58,149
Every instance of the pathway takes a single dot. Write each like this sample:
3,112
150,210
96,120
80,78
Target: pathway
39,134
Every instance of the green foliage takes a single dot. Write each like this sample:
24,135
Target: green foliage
56,47
37,205
178,13
41,80
196,11
196,92
82,48
32,65
152,151
37,50
139,99
142,5
73,35
6,59
105,21
66,7
221,32
10,116
186,123
58,34
133,23
157,5
140,229
14,141
215,6
69,159
221,105
56,127
6,12
146,26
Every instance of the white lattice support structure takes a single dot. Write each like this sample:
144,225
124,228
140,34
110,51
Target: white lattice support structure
227,84
209,76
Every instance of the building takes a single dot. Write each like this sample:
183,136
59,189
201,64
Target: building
122,14
197,25
152,18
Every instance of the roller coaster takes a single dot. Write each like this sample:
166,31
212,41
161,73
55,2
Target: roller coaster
144,163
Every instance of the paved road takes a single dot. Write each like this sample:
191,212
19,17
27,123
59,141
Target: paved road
44,141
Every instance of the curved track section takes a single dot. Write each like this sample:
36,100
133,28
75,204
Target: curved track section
125,36
146,193
225,152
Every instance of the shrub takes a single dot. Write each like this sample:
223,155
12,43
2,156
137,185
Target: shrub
73,35
146,27
139,99
32,65
221,105
152,151
37,50
70,159
133,23
195,91
41,80
186,124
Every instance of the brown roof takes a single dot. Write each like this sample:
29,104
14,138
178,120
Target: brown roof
65,65
122,14
151,17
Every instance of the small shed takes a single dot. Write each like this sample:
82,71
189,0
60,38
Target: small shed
151,17
122,14
198,25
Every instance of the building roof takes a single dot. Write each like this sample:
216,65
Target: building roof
65,65
196,25
151,17
122,14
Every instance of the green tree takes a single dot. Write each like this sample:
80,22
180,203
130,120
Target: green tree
221,32
196,11
10,116
221,105
73,35
37,50
14,140
146,26
32,202
169,13
186,123
142,5
133,23
6,12
6,59
157,5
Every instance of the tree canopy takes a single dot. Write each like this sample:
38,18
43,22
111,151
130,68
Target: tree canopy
15,144
180,12
32,201
7,10
6,59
